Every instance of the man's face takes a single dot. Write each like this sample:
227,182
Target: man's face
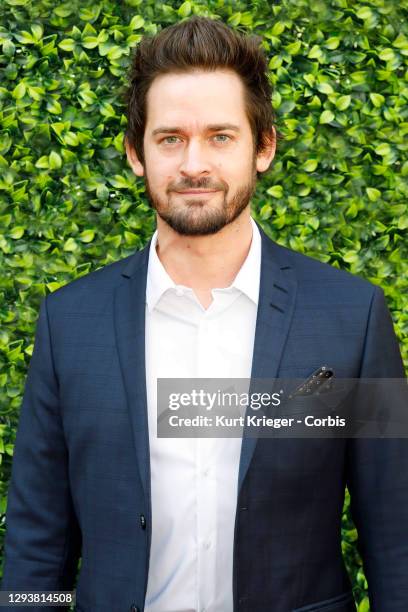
200,163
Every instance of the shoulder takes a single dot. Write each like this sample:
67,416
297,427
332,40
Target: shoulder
94,290
321,279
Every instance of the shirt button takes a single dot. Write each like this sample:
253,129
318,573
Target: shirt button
206,472
207,544
143,521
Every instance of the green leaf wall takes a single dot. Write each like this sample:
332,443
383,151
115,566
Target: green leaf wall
69,203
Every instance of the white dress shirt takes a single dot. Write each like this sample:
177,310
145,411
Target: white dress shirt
194,481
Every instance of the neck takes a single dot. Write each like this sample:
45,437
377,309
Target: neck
205,262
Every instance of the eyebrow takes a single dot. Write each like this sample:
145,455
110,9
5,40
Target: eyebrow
215,127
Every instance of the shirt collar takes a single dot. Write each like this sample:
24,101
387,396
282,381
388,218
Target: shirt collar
247,280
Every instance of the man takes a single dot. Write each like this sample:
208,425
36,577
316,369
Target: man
216,525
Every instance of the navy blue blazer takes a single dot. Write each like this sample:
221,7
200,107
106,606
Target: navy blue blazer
80,483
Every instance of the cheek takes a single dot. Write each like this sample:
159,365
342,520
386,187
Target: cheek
163,170
160,181
235,171
158,172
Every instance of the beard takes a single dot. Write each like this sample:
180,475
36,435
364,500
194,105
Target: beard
197,217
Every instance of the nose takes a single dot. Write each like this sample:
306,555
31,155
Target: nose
195,160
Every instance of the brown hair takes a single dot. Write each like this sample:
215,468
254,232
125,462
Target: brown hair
200,43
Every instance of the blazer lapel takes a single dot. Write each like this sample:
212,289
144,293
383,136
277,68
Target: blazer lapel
129,322
277,295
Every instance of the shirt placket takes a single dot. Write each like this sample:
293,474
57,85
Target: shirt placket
206,487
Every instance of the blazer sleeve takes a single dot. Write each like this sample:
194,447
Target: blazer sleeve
377,478
43,540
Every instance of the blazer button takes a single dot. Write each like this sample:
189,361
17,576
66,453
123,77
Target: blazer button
143,521
134,609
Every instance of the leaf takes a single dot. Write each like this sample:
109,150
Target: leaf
137,22
107,109
265,211
64,10
70,245
9,48
89,30
313,222
332,42
401,42
17,232
310,165
19,91
278,28
294,48
115,241
326,117
373,194
58,127
383,149
42,162
364,605
68,44
5,220
343,102
115,53
364,13
119,182
359,77
276,191
90,42
54,160
71,139
315,52
87,235
351,256
377,99
185,9
90,13
25,38
310,79
54,107
403,222
325,88
275,62
36,93
234,20
53,286
38,31
102,192
88,96
130,238
387,54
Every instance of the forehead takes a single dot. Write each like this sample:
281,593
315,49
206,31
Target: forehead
196,98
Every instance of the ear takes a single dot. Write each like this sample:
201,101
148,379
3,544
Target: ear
133,159
264,158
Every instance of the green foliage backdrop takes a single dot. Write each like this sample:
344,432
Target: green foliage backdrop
70,204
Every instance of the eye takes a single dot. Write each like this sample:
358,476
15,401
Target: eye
225,137
170,139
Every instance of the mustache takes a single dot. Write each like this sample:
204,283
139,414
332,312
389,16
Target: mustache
204,183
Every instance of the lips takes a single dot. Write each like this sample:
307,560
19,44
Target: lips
189,191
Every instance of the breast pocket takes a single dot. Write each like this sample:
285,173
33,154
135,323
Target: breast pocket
340,396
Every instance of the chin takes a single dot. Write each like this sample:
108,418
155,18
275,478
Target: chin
195,225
